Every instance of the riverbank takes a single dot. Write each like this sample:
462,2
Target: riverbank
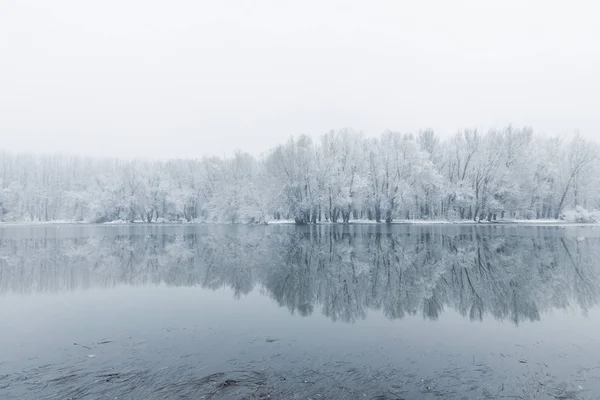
546,222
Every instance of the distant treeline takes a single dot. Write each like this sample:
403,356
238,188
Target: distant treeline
344,175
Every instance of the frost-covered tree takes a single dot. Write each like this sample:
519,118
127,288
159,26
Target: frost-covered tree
343,175
293,166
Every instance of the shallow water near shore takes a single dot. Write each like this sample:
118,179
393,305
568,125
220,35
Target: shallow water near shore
315,312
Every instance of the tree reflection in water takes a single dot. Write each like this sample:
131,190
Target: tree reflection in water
513,274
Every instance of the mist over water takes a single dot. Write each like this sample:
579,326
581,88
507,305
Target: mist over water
336,311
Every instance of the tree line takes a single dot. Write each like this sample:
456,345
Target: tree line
343,175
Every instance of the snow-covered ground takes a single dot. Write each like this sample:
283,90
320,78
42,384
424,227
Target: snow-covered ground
546,222
534,221
438,221
116,222
281,221
369,221
57,222
446,222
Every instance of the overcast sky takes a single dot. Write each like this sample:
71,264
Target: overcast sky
187,78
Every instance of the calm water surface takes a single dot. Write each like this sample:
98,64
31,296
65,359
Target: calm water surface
285,312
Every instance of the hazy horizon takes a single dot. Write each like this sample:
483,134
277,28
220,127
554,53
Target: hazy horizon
142,80
262,153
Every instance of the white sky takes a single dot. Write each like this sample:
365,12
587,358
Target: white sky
186,78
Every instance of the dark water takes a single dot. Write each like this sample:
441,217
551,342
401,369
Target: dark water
282,312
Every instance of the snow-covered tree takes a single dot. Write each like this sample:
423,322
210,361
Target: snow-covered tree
343,175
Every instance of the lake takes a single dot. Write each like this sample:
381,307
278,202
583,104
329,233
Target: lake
286,312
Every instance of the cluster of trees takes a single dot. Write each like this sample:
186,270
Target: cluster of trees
344,175
509,274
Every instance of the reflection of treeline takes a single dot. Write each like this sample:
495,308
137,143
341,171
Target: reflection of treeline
342,272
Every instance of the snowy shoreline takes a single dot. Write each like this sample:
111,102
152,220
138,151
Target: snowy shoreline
539,222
